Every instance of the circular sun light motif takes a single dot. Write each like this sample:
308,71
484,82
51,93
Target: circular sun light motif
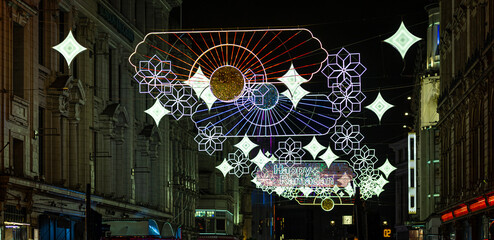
227,83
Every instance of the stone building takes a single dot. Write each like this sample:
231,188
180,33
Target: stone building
465,106
63,127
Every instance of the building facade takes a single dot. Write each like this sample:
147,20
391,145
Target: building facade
465,108
63,128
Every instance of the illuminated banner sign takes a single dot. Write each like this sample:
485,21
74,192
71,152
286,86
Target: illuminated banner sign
307,174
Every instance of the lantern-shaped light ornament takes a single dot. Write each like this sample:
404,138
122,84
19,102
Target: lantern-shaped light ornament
402,40
69,48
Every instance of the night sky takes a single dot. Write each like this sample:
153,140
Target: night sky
360,27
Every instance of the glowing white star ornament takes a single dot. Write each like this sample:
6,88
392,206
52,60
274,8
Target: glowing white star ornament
387,168
314,147
224,167
402,40
379,106
260,160
292,79
69,48
296,95
198,82
246,145
157,111
328,157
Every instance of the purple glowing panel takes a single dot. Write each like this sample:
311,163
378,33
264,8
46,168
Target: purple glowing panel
343,66
305,175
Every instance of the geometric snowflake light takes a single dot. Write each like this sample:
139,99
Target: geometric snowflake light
157,111
69,48
402,40
379,106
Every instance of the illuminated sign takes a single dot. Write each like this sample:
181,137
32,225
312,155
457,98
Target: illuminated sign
387,233
412,174
347,220
308,174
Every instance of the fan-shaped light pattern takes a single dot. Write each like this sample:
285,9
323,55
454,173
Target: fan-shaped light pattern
157,111
387,168
402,40
155,77
268,52
206,60
69,48
343,66
289,152
328,157
346,97
314,147
313,117
224,167
210,138
260,160
239,162
347,137
246,145
379,106
180,101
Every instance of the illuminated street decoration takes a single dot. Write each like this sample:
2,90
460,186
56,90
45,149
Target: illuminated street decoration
210,139
198,82
157,111
289,152
379,106
239,162
296,95
343,66
347,137
246,145
265,96
346,98
69,48
402,40
224,167
261,159
363,159
412,174
180,101
292,79
387,168
236,77
328,157
155,77
314,147
327,204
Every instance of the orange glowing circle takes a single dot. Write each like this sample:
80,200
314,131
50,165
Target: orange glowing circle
227,83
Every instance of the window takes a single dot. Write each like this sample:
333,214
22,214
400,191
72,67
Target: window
18,157
18,60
